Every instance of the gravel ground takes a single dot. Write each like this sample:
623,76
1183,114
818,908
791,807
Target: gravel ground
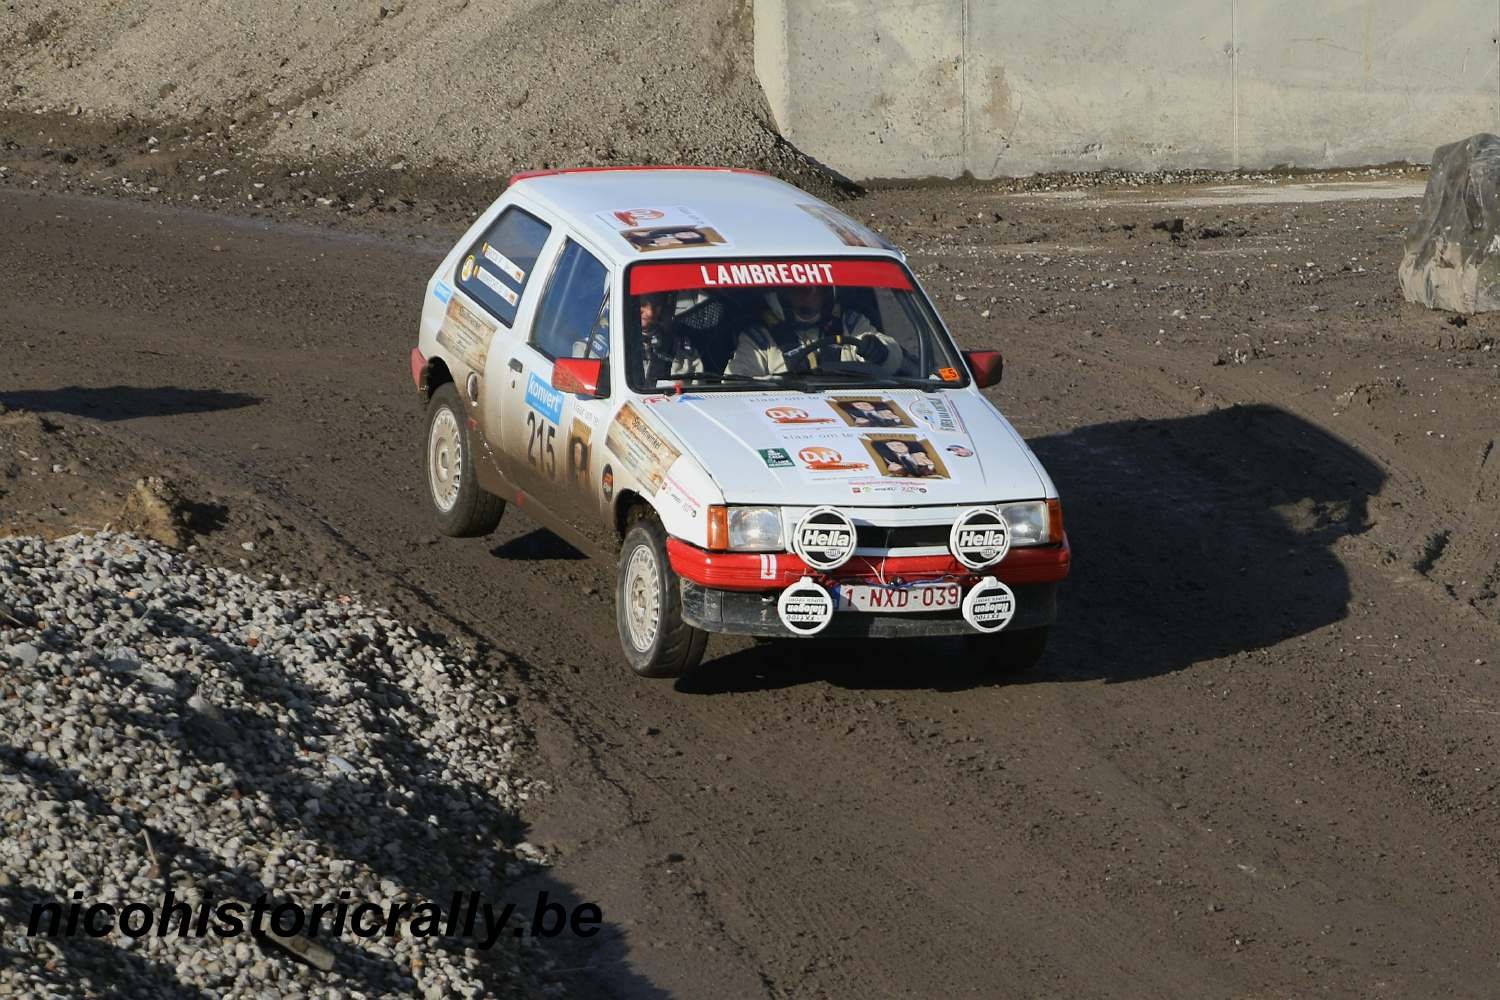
172,724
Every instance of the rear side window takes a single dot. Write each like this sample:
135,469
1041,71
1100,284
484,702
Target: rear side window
573,318
495,271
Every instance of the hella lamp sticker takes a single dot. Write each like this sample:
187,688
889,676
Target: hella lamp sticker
824,538
979,538
805,607
990,606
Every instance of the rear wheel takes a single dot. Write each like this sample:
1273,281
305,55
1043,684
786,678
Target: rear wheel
1007,652
459,506
648,607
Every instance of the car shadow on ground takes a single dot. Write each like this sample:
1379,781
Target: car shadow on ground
1193,538
125,402
537,545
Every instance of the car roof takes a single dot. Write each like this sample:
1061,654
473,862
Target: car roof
754,213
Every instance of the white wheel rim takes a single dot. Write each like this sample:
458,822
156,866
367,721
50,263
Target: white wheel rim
445,460
642,597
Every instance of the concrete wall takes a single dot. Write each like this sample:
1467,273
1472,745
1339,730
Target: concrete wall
924,88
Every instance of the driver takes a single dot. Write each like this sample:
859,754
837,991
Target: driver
664,352
805,328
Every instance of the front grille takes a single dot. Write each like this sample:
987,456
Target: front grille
915,536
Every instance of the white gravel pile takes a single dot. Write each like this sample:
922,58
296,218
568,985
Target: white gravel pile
164,723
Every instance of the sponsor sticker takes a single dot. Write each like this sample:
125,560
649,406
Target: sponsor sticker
467,271
648,278
607,483
949,375
776,458
638,218
990,606
980,537
960,451
849,232
442,291
824,538
641,449
494,284
887,488
580,452
905,456
650,229
870,411
805,608
544,399
467,333
678,494
505,264
938,414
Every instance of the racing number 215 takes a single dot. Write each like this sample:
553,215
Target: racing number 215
541,438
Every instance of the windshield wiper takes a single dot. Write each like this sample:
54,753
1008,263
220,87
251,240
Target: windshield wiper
884,382
715,378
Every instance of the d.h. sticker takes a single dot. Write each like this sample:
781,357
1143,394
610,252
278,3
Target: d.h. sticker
823,458
794,415
642,451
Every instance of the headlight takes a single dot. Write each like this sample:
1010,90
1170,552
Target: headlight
755,529
1030,523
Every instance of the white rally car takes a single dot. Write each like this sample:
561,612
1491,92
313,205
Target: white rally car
745,396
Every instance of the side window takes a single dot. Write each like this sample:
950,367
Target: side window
495,271
572,320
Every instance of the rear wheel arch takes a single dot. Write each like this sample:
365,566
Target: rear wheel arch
434,374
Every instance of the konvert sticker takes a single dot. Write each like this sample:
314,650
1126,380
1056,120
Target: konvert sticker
905,456
641,449
544,399
467,333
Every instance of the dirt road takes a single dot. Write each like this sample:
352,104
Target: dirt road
1259,760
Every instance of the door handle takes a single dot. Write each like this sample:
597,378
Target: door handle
515,365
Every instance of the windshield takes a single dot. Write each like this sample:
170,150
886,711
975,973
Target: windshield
810,324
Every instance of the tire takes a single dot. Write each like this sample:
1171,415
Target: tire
1007,652
460,508
655,639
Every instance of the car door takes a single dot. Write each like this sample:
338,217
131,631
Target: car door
550,435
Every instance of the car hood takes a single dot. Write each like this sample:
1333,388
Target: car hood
872,448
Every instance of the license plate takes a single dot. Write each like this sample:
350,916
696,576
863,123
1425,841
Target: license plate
899,600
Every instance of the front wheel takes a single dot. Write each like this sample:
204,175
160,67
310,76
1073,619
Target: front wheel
459,506
1007,652
648,607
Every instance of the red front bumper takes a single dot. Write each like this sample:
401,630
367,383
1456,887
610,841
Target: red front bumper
776,570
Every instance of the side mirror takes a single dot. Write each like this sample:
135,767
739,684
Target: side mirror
580,376
987,366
